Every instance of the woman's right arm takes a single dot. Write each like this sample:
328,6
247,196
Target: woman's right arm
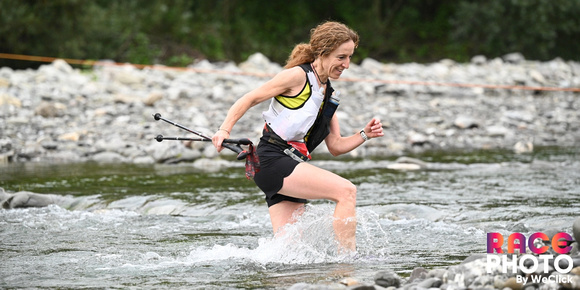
284,83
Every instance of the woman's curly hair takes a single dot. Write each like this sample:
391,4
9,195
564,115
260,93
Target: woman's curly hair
324,38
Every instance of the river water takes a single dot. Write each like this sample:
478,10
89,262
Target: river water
179,227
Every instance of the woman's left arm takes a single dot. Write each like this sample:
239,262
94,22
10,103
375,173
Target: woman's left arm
338,145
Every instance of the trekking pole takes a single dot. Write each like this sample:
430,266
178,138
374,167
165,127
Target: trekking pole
232,144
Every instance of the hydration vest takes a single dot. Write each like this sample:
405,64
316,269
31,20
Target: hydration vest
304,117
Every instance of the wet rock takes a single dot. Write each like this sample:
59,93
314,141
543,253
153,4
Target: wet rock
512,283
499,282
430,283
410,160
387,279
574,249
576,229
403,166
24,199
418,274
571,282
466,273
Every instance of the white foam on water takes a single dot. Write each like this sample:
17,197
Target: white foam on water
309,240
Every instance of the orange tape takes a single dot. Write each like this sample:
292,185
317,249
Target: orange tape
142,66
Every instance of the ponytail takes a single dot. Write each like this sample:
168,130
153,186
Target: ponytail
302,53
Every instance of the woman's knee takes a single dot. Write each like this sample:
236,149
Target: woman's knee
347,193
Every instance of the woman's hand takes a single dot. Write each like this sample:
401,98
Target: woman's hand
374,129
218,138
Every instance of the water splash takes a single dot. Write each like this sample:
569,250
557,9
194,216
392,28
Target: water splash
310,240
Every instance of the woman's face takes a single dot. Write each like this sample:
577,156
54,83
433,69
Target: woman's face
338,60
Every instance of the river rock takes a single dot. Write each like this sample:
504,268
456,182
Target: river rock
153,98
437,273
497,131
523,147
403,166
418,274
51,109
465,122
24,199
513,284
514,58
573,282
387,279
72,110
430,283
6,99
576,229
411,160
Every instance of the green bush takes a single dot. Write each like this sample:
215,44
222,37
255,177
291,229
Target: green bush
177,32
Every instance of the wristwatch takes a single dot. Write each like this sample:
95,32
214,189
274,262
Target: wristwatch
363,135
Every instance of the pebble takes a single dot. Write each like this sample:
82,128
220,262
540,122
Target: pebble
58,113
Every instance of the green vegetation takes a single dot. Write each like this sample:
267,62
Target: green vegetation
176,32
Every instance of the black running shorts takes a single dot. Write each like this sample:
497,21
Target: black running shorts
275,165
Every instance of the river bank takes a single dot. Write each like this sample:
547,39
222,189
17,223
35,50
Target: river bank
61,114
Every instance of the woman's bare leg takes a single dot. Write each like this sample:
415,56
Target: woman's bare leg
284,213
310,182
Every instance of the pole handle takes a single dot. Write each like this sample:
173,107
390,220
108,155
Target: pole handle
234,145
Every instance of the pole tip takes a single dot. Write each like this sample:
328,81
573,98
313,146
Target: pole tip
157,116
159,138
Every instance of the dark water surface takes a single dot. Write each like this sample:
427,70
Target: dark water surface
176,226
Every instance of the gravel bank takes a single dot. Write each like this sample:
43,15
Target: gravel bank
61,114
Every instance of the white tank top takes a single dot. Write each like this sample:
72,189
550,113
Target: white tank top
292,117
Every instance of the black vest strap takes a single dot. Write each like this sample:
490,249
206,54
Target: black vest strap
321,127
